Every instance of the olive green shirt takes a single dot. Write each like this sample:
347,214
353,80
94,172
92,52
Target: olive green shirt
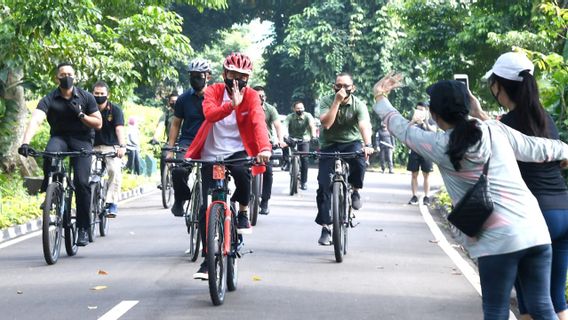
167,117
345,128
271,115
299,126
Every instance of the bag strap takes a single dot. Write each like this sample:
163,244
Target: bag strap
486,166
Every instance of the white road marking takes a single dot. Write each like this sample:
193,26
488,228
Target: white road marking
119,310
466,269
19,239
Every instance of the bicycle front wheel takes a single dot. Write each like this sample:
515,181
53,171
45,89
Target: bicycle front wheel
93,211
192,222
52,223
255,195
167,188
216,259
294,174
102,212
337,208
70,227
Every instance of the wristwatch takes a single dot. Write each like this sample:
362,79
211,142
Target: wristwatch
122,146
81,115
368,145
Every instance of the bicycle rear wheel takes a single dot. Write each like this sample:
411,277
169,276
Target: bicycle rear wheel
192,221
167,188
255,195
216,259
70,227
337,208
93,211
294,173
52,223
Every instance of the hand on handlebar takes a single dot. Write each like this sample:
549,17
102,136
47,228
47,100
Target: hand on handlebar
263,157
24,149
368,151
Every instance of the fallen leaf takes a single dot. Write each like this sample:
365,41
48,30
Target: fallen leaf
434,241
92,307
256,278
378,230
19,292
102,272
96,288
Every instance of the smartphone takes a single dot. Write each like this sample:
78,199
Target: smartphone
463,78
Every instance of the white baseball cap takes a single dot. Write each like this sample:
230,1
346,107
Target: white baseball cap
509,65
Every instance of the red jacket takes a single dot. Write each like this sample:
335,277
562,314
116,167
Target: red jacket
250,120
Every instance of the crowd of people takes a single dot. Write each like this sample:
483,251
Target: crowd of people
523,244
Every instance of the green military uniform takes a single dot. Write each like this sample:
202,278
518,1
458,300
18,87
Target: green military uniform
168,118
271,115
299,126
345,128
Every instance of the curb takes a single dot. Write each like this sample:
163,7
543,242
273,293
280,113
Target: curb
35,224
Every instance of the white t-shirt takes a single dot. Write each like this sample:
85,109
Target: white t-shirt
224,139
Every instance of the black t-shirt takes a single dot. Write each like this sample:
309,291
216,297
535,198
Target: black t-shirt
112,118
189,108
61,117
545,179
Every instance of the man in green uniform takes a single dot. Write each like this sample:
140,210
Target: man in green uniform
345,122
301,125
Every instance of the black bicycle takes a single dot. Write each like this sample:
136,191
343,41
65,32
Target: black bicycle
294,164
167,186
98,185
255,197
58,220
341,210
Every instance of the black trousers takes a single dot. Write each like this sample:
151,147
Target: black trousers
326,168
81,171
267,179
180,177
304,147
241,176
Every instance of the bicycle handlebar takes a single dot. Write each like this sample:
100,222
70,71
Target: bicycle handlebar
57,154
176,149
99,154
248,161
335,155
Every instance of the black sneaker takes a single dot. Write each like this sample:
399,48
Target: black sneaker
83,237
202,273
356,200
243,223
325,238
177,208
426,201
264,207
413,200
160,186
303,186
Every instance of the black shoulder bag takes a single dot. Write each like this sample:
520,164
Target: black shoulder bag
475,207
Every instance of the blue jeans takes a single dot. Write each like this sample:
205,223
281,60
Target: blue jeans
532,269
557,221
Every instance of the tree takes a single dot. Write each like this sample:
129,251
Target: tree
118,41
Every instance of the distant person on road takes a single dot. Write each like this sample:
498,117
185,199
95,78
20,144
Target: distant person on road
110,138
345,124
234,128
188,116
134,163
276,139
416,162
514,242
385,144
163,129
301,125
513,85
72,114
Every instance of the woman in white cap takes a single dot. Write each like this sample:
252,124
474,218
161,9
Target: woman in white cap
512,84
513,243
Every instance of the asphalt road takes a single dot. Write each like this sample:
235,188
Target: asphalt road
393,270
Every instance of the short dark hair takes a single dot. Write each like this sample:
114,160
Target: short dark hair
259,88
173,94
422,104
63,64
295,103
100,84
345,74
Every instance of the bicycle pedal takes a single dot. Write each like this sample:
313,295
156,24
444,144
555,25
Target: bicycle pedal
353,225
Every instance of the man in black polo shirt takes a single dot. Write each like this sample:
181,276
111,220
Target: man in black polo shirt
72,114
188,114
110,138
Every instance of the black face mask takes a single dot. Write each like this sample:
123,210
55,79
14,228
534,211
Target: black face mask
299,113
197,83
100,99
346,91
229,84
66,82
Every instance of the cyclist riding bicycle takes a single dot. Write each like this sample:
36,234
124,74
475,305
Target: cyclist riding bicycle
188,115
110,138
72,114
345,122
234,127
163,128
301,125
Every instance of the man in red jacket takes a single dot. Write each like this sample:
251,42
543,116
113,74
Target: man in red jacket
234,127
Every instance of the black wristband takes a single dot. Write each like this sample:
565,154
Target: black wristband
368,145
81,115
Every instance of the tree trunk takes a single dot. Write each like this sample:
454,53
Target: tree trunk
16,119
